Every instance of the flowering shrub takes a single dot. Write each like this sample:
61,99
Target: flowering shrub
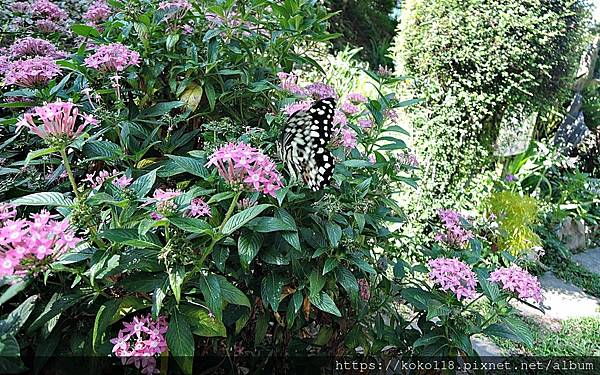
156,197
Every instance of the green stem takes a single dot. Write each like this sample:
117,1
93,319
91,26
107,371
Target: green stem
63,154
219,235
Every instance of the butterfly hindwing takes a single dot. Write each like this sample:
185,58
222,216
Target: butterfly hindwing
303,141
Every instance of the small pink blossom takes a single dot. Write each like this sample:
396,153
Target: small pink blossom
112,57
349,138
47,26
199,208
320,90
141,341
289,82
517,280
32,47
365,122
47,10
356,98
349,108
26,243
454,234
241,164
453,275
98,12
298,106
33,72
372,158
122,181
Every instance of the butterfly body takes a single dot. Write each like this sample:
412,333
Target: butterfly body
303,141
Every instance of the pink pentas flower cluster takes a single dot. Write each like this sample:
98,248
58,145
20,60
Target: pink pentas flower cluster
47,26
289,83
453,275
365,122
454,233
47,10
37,71
198,208
141,341
112,57
349,108
59,121
517,280
163,201
23,243
97,12
241,164
356,98
31,47
320,90
303,105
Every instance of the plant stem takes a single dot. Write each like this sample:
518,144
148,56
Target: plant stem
63,154
219,235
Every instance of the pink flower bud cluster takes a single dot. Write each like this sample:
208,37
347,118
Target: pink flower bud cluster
140,342
96,180
453,275
59,121
98,12
239,163
23,243
45,9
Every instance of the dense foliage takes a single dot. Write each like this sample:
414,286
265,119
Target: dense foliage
478,66
146,217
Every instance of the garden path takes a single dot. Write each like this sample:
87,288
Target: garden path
562,300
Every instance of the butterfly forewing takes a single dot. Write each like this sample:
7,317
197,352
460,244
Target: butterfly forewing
303,141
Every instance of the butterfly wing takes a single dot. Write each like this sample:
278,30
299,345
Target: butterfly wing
302,144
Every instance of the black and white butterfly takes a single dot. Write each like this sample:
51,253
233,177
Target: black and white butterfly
303,141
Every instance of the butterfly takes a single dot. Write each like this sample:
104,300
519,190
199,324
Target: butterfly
303,141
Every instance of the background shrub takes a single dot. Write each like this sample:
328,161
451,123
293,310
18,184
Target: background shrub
477,64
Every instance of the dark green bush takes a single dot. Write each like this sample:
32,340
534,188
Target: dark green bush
367,24
477,63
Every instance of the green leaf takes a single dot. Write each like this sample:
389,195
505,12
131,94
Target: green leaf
10,360
176,277
191,225
128,237
181,342
54,308
334,233
270,290
85,31
231,293
293,307
325,303
190,165
15,320
399,269
211,290
43,199
240,219
490,289
357,163
39,153
144,183
330,264
248,245
220,197
210,94
160,109
202,323
427,339
103,319
266,224
12,291
101,150
348,282
316,282
511,328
